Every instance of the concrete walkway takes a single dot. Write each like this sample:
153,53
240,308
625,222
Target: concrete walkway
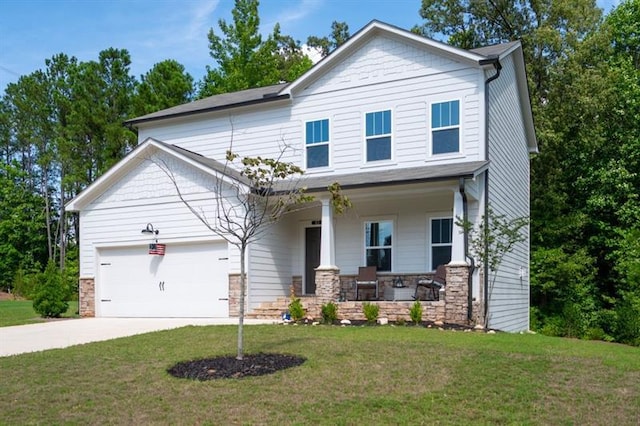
61,334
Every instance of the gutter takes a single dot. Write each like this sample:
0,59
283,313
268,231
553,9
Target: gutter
472,262
495,61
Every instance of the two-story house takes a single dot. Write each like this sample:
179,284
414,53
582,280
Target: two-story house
418,133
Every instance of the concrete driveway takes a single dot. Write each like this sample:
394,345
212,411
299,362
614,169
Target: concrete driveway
63,333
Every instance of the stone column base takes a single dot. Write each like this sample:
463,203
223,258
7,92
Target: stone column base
327,284
87,297
456,292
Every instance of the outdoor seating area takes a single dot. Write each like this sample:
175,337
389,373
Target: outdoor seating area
367,285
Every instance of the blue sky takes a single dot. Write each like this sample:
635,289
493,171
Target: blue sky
154,30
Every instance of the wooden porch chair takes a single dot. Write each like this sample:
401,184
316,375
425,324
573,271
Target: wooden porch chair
366,279
434,284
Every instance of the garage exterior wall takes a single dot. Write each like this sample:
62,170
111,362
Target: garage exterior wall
146,195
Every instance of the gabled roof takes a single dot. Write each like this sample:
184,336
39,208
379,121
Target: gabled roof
373,29
143,152
218,102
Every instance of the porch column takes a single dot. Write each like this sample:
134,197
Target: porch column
327,273
457,238
327,248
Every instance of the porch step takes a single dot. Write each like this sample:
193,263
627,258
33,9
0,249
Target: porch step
275,309
270,310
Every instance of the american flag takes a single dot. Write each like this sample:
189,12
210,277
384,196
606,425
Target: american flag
157,249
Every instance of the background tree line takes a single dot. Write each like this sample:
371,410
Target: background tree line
61,127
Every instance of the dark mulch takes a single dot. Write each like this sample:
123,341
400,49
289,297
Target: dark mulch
229,367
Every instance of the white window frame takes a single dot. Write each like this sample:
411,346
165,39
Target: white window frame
430,244
365,245
459,126
383,135
327,143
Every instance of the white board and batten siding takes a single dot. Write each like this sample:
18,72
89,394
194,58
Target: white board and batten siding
115,251
384,74
509,195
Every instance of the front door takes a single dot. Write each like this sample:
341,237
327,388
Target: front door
311,258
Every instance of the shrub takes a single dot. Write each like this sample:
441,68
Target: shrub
50,300
329,313
627,329
24,284
416,312
295,309
371,312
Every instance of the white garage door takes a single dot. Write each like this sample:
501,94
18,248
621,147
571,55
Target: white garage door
190,280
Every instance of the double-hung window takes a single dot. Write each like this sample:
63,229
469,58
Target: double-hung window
378,237
445,127
378,135
317,143
441,236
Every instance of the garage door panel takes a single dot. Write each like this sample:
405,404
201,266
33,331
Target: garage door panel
191,280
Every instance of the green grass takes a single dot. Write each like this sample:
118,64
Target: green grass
20,312
353,375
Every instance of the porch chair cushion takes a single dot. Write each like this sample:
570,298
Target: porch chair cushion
366,279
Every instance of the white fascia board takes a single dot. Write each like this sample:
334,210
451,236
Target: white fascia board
111,176
371,30
525,98
130,161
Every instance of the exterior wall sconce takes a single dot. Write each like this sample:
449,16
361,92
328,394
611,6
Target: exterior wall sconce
149,230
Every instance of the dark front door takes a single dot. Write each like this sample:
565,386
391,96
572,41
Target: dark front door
311,258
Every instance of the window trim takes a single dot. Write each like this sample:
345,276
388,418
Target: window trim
377,219
382,135
327,143
430,244
432,129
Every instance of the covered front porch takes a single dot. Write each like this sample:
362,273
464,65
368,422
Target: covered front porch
405,230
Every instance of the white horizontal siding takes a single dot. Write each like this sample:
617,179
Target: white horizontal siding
386,73
410,215
509,195
270,264
146,195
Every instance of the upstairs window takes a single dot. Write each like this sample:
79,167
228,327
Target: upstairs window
377,244
441,238
378,133
445,127
317,143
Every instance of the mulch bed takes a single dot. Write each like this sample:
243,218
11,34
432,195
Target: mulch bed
229,367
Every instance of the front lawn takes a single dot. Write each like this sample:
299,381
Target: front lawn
353,375
20,312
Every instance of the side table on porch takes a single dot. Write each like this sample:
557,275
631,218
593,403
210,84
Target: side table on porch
399,293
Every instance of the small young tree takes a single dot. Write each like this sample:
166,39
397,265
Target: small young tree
50,300
247,202
489,241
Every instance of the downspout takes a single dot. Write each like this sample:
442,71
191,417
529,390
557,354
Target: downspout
472,262
495,61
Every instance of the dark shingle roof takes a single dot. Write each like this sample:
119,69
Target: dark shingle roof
390,177
494,50
217,102
209,163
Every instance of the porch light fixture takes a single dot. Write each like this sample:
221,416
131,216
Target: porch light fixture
149,230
